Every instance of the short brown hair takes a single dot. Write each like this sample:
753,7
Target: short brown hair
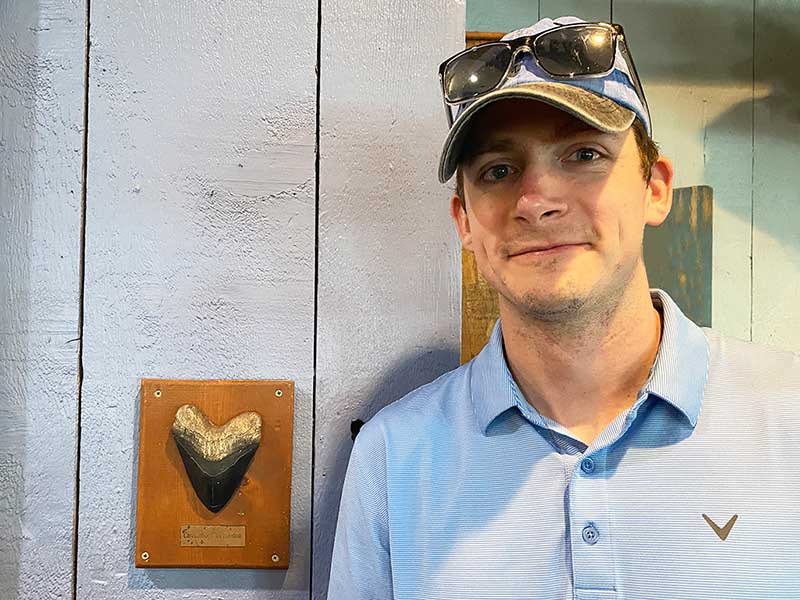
648,155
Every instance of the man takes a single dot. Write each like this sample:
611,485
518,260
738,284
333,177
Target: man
601,446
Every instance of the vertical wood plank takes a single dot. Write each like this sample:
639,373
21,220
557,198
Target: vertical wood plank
776,178
200,252
695,62
42,60
479,301
678,253
389,269
480,308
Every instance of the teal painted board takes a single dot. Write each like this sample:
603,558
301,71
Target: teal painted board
590,10
678,253
776,177
489,15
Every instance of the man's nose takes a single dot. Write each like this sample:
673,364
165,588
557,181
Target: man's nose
541,196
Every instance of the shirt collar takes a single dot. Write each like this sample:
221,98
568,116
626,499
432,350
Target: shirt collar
678,376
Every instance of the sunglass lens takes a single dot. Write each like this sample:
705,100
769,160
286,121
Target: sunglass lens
476,72
576,51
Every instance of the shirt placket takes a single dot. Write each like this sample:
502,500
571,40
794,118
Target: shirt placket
594,571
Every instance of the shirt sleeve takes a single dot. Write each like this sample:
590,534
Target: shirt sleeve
361,564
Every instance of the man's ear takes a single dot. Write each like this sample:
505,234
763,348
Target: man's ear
659,192
459,213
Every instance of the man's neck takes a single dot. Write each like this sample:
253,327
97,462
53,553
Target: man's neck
584,375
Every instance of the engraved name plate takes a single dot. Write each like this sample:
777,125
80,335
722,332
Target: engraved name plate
214,536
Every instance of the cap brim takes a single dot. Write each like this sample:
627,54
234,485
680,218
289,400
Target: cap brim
598,111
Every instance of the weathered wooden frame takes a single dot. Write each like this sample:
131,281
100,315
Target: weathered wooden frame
252,530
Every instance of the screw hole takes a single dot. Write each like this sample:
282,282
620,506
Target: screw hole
275,558
279,393
157,393
145,556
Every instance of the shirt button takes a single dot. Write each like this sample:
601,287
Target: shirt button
587,465
590,534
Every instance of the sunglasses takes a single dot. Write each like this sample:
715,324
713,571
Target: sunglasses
575,51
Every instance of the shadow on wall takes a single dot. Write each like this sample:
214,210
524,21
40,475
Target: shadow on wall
408,374
712,44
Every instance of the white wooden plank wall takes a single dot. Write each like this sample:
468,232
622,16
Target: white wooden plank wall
201,239
199,254
42,58
389,258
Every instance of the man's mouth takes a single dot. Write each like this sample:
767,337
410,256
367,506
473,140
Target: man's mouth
547,249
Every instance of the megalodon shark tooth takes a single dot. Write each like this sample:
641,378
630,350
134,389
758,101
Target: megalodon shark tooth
215,457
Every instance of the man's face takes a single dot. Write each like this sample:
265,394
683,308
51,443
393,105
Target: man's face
537,178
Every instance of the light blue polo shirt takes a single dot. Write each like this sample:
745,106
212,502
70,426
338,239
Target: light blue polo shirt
462,490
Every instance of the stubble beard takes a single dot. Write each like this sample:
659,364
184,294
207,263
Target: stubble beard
571,307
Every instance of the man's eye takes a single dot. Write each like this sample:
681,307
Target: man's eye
497,172
586,155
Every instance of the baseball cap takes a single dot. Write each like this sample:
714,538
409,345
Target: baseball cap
609,103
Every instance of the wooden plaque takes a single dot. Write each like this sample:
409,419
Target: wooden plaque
173,527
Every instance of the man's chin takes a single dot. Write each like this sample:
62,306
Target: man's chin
549,305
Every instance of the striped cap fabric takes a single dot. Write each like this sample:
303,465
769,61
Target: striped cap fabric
609,103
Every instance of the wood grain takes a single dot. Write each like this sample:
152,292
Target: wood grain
479,308
678,253
481,37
